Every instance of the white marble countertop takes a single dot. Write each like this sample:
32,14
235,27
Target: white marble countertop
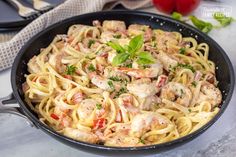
18,139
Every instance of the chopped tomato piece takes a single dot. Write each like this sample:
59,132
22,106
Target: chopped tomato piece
54,116
161,81
68,77
118,116
99,123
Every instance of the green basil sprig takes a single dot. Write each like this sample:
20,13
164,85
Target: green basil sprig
131,52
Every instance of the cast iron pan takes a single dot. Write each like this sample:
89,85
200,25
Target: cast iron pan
224,74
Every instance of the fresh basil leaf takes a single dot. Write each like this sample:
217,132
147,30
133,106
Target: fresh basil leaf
176,16
222,19
135,44
116,46
120,58
145,58
202,25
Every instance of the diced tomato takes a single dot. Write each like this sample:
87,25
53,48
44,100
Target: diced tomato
119,116
92,74
100,67
161,81
54,116
66,121
68,77
99,123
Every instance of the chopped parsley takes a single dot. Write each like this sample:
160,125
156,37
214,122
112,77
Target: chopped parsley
110,83
90,43
182,92
189,110
187,66
117,36
99,106
115,78
121,91
142,141
153,38
182,51
91,68
154,44
70,69
194,83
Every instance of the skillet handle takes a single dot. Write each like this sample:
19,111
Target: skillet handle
13,109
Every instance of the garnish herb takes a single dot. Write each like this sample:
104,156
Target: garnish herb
182,92
115,78
154,44
70,69
116,46
142,141
176,16
135,44
200,24
110,83
121,91
182,51
145,58
90,43
120,58
187,66
194,83
222,19
91,68
189,110
99,106
117,36
205,26
131,51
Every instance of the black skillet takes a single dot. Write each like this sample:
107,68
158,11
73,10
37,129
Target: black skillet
224,74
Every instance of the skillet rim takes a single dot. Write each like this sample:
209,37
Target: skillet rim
160,146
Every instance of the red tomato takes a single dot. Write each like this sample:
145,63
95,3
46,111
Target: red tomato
54,116
68,77
182,6
99,123
186,6
166,6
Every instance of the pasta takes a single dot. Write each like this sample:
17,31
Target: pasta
117,86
